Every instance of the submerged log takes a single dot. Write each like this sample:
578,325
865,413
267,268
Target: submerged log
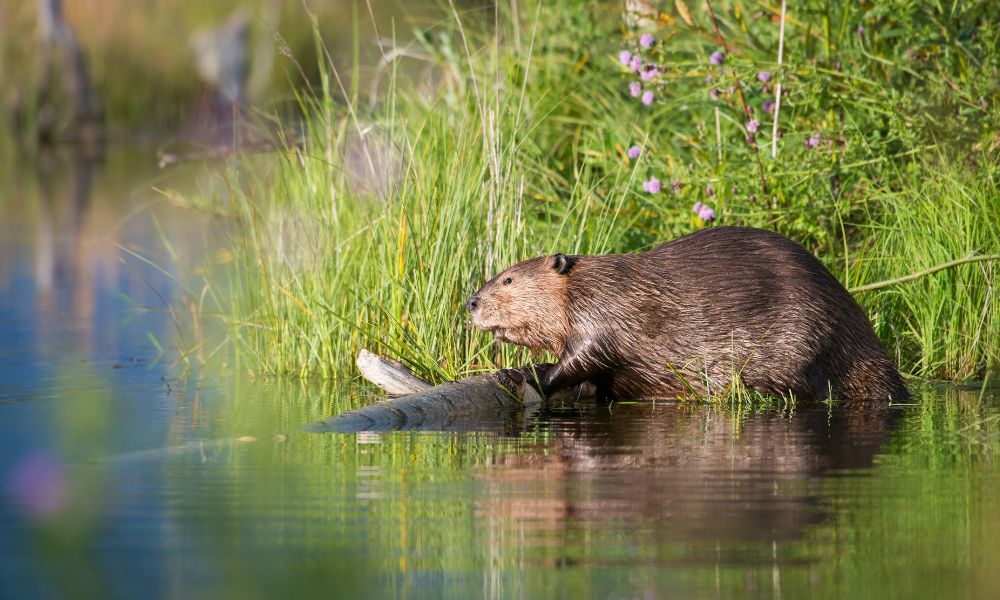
481,401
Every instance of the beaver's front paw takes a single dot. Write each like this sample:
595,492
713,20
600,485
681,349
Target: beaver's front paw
529,374
513,374
536,374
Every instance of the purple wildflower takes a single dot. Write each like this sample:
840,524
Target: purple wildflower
634,152
625,57
646,40
768,106
709,191
37,486
647,97
717,58
764,76
635,88
649,71
676,186
703,211
713,94
860,31
652,185
753,125
635,63
813,140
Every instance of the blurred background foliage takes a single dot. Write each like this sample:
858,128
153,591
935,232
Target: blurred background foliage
142,58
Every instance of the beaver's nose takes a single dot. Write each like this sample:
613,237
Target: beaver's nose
472,303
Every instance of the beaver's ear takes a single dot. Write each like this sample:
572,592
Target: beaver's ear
562,263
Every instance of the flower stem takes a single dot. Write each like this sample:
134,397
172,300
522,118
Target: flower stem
739,90
961,261
777,87
718,133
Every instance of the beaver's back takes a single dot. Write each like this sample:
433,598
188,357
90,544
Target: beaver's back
728,300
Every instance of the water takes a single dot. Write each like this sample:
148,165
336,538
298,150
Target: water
127,471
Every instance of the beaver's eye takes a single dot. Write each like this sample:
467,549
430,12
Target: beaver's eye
507,281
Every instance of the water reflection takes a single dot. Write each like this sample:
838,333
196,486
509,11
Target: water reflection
59,251
65,279
687,472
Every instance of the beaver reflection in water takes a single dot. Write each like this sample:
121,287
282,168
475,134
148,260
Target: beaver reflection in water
687,316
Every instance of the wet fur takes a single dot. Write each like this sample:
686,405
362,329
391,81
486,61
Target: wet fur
692,313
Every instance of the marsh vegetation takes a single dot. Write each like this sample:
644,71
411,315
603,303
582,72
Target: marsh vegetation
520,135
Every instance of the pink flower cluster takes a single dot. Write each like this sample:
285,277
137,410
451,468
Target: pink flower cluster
703,211
646,71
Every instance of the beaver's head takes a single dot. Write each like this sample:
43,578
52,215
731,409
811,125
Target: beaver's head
526,304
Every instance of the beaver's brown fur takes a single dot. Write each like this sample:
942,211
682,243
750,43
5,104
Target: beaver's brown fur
690,314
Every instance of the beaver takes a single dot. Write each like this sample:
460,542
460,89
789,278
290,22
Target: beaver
690,315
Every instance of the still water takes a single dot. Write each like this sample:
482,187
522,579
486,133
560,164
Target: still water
126,470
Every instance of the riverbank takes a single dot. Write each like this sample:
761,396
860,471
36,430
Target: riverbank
525,136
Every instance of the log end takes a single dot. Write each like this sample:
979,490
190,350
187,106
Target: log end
390,375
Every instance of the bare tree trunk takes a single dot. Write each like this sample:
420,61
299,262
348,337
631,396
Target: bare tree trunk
56,35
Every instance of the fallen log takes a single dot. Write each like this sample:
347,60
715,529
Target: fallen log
478,402
390,375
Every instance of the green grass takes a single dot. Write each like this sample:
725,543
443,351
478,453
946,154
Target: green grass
514,146
946,324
